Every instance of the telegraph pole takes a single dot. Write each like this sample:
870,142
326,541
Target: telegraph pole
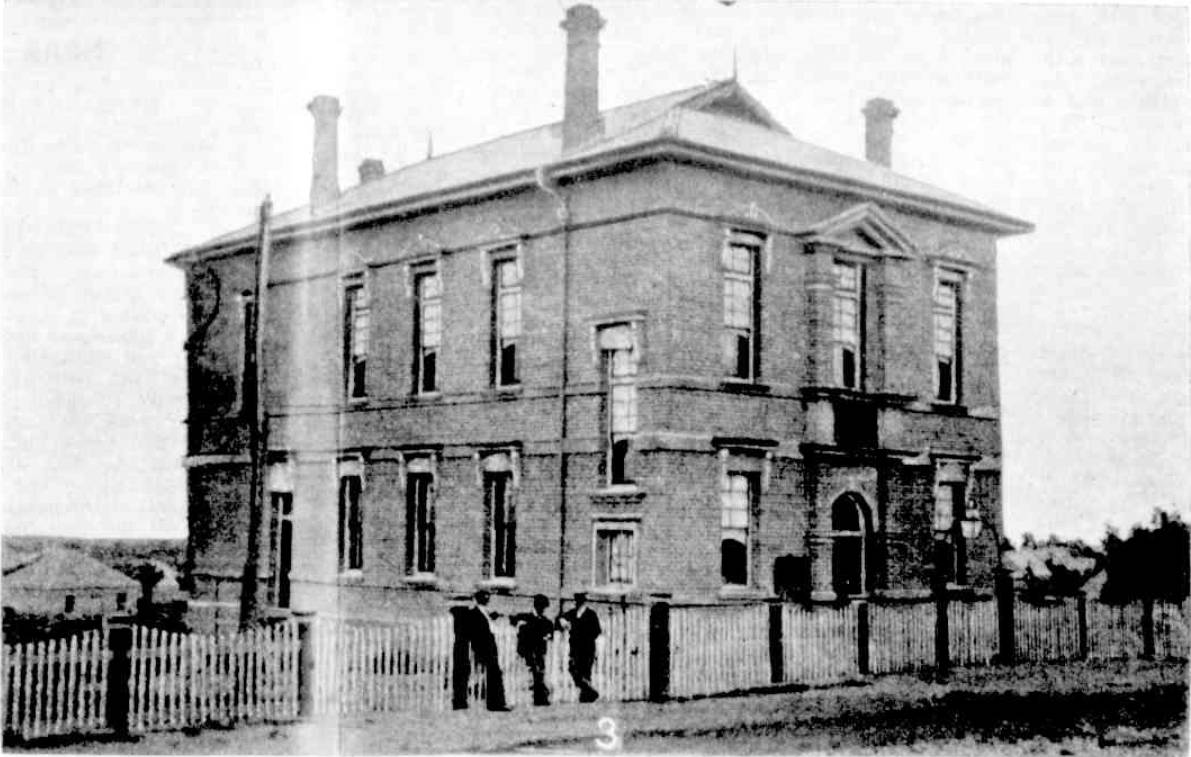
259,430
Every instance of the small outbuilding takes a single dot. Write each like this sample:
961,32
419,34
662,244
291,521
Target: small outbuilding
60,581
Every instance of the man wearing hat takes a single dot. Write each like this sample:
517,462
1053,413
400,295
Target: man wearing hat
483,644
533,635
584,627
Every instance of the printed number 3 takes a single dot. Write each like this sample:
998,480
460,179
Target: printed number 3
611,739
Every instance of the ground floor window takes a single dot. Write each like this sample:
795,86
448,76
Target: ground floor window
849,550
615,547
501,538
351,524
419,518
737,504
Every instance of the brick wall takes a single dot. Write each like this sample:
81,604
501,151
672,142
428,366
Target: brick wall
646,245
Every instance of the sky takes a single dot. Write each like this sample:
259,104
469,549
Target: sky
134,129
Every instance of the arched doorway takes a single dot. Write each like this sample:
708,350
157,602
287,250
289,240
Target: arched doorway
851,531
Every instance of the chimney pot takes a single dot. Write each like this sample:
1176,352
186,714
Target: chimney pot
324,180
581,105
371,169
878,130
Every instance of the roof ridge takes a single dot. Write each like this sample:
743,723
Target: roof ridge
520,132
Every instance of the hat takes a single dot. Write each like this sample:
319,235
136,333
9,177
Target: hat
481,596
540,601
580,596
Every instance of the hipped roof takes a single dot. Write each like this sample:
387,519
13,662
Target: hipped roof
719,123
61,569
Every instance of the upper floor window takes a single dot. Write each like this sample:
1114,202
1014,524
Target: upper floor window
947,317
737,504
848,324
355,340
427,330
351,520
619,359
741,256
419,516
506,320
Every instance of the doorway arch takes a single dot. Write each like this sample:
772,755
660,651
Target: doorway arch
851,531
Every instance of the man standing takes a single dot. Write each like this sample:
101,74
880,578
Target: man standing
533,634
483,645
584,627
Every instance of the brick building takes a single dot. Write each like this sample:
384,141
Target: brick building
659,348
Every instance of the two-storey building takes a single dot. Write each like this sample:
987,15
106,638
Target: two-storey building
660,348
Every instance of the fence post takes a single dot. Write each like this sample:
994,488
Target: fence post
777,668
118,674
1147,628
1006,641
306,663
862,636
1082,606
659,651
460,659
942,628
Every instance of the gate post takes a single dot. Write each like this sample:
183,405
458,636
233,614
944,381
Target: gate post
777,668
118,674
306,663
942,628
862,637
659,651
1006,641
1147,628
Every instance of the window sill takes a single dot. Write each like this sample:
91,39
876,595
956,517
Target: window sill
500,585
354,576
508,388
612,590
735,591
614,489
421,581
426,396
357,401
743,386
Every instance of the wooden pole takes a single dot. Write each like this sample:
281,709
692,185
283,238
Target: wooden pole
259,438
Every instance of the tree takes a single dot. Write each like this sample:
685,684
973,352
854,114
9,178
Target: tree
1152,563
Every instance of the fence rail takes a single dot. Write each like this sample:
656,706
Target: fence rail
158,680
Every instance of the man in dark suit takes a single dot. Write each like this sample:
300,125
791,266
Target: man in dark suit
584,626
478,625
534,631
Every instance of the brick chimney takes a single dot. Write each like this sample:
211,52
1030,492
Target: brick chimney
878,131
371,169
324,180
581,109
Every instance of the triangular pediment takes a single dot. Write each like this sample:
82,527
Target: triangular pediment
729,98
863,229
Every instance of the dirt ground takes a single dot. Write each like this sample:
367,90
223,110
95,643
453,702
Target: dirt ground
1080,708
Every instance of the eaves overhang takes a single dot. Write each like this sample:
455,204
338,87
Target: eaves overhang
662,148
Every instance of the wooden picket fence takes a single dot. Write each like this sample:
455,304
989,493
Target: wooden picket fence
718,648
365,668
277,672
902,636
973,632
361,668
818,644
180,680
56,687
